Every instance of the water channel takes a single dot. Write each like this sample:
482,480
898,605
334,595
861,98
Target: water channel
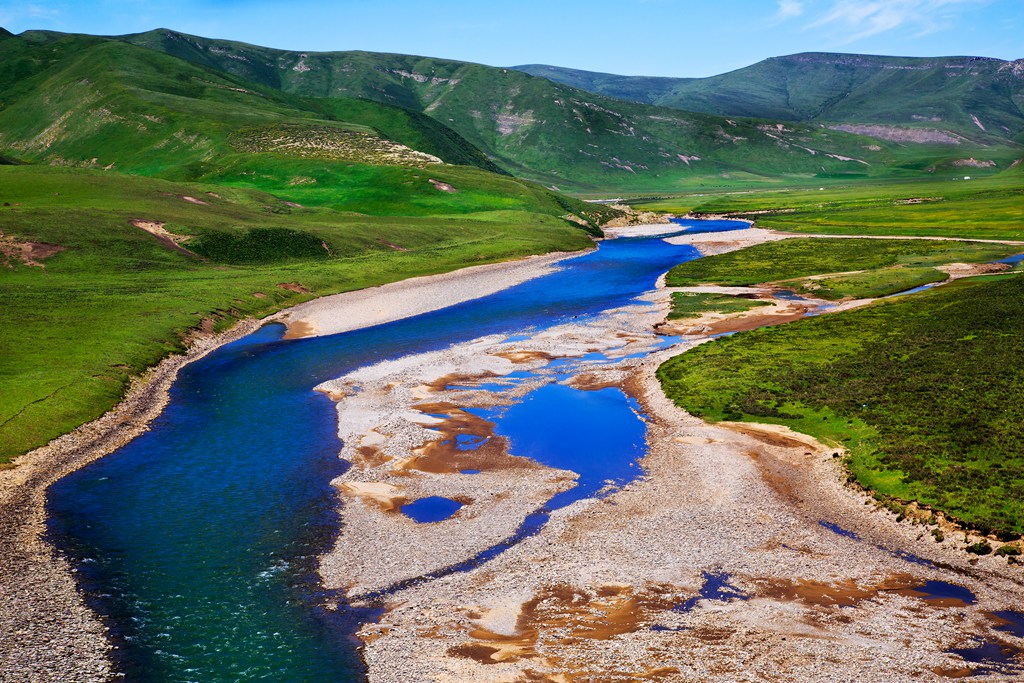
197,541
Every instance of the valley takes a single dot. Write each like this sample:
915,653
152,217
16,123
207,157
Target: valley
369,366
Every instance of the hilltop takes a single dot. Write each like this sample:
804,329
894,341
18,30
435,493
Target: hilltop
576,140
941,99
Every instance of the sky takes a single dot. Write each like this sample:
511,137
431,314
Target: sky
637,37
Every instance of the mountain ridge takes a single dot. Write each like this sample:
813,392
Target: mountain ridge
839,88
563,136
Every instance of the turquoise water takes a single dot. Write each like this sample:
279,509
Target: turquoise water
197,541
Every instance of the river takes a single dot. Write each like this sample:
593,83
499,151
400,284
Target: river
197,541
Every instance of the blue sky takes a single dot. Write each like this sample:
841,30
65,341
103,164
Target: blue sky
650,37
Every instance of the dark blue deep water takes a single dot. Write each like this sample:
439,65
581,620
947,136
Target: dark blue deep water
431,509
197,540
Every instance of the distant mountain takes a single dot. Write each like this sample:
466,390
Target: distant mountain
191,108
567,137
959,95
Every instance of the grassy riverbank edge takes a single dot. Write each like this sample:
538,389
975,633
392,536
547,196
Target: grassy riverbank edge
696,381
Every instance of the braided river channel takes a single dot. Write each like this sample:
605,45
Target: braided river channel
197,541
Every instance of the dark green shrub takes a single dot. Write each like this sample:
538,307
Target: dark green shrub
258,245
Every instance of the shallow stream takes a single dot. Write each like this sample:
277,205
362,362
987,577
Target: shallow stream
198,540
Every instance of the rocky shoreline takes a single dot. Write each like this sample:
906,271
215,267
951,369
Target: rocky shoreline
740,555
596,593
47,630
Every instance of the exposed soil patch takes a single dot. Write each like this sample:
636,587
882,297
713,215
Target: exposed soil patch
28,253
392,245
298,329
565,614
445,455
524,356
848,593
442,186
164,236
293,287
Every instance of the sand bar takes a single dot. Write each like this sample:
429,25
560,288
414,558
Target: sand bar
403,299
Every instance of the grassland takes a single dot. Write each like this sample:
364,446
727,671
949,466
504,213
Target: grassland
923,390
115,299
693,304
981,208
862,268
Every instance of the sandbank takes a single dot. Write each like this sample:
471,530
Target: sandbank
403,299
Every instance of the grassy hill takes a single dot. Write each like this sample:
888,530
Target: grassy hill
921,389
572,139
986,208
972,97
92,297
142,196
69,98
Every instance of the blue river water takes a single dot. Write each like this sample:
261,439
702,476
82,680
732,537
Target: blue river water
197,541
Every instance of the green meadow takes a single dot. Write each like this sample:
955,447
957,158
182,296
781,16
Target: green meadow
115,300
923,390
986,207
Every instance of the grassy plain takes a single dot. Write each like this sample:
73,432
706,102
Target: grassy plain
862,268
693,304
115,300
982,208
923,390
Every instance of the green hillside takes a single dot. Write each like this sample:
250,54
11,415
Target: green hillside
92,297
922,98
68,97
569,138
256,199
921,389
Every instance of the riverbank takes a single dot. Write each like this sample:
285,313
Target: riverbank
50,633
739,555
403,299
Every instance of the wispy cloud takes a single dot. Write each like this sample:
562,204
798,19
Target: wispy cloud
860,19
789,9
14,13
786,10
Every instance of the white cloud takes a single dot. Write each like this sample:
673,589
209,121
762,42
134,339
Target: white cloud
859,19
789,8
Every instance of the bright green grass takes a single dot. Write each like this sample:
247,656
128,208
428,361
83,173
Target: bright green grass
799,258
116,300
693,304
868,284
983,208
925,391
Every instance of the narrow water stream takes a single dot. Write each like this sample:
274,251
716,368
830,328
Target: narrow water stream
197,541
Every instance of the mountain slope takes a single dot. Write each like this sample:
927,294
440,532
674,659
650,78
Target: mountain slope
259,199
966,95
563,136
97,103
154,81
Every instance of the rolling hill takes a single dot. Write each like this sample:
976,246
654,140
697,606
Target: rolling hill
943,98
144,197
572,139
